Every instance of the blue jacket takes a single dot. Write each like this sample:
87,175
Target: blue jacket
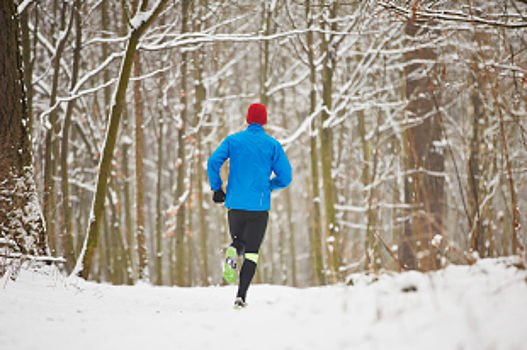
253,155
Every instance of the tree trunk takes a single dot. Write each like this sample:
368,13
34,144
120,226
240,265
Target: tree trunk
130,251
20,216
476,115
425,152
289,214
115,246
181,261
368,177
67,238
264,59
107,266
139,171
105,21
28,57
159,194
331,229
318,262
201,95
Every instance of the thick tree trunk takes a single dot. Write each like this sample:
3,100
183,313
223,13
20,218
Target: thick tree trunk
20,216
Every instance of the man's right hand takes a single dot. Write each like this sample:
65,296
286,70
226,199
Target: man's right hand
219,196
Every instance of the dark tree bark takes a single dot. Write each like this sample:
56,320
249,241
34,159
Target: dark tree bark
21,225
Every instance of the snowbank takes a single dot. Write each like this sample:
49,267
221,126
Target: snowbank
483,306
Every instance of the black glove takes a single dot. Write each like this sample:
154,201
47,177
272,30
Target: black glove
219,196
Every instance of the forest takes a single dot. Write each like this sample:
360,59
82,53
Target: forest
404,122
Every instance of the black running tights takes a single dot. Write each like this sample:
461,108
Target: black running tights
247,230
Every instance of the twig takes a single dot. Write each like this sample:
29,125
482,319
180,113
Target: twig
401,268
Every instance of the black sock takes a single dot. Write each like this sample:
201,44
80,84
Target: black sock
246,275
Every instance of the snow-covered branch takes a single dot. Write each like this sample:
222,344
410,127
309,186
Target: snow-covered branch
426,14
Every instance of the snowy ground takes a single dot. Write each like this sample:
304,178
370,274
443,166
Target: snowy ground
481,307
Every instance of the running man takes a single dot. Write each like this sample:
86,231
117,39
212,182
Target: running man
254,156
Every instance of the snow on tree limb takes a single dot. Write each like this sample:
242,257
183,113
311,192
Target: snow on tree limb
23,6
454,16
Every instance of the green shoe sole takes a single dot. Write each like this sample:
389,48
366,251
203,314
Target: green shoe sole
229,266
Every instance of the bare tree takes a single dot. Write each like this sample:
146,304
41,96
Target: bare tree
140,24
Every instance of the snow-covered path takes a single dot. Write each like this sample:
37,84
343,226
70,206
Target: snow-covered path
479,307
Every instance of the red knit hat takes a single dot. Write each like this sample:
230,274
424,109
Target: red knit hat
257,114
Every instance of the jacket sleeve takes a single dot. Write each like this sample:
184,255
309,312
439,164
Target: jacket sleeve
282,169
216,160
